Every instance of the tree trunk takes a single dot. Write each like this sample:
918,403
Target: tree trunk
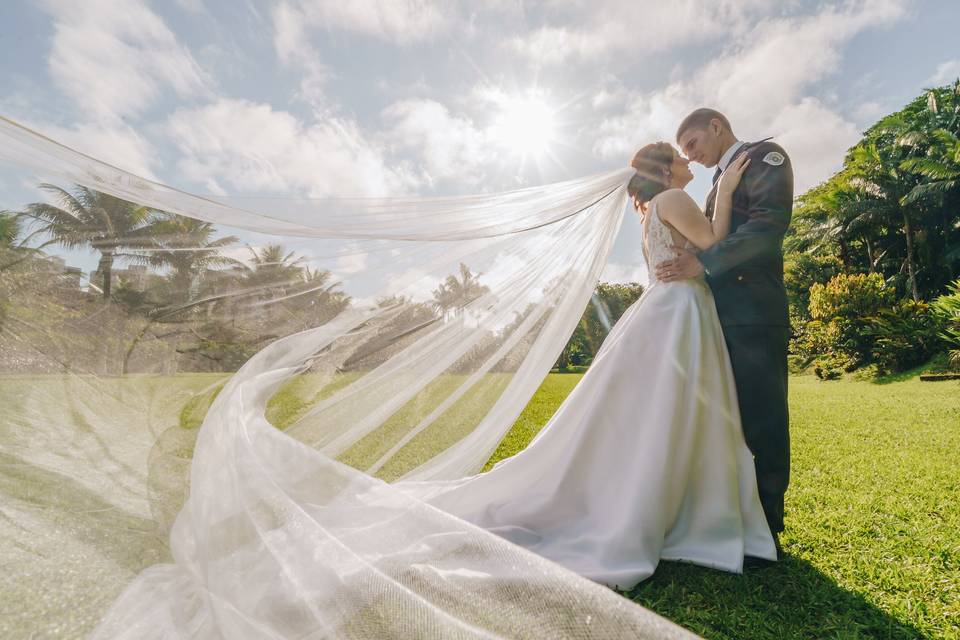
182,282
946,237
106,270
911,268
869,254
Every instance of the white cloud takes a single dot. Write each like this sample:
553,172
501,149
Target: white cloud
946,72
762,83
292,44
114,58
250,147
396,21
400,21
192,6
605,28
445,146
352,262
116,144
816,138
869,112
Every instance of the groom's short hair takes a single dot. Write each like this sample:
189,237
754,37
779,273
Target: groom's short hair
700,119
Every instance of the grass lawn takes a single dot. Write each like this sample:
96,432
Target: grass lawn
873,530
873,513
873,520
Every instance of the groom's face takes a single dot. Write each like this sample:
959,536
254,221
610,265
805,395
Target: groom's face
702,145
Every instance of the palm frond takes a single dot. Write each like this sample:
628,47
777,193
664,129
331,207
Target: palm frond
936,189
930,168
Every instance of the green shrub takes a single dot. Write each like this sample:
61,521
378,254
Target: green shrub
840,325
947,309
797,364
905,336
829,367
800,271
849,296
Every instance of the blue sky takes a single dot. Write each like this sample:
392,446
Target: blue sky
327,97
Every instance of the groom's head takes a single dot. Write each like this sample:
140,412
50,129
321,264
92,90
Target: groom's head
704,135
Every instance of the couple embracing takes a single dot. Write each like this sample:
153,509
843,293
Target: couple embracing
675,444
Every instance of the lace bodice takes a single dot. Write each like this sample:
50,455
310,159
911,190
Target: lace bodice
657,242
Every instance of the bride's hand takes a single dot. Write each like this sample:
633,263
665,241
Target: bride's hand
732,174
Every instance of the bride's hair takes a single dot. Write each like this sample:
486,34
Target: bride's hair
652,163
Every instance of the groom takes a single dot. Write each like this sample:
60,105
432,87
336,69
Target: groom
745,273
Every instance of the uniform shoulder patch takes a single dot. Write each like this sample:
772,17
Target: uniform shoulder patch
774,159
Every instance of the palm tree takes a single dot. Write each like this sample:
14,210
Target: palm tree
184,246
940,166
270,276
929,131
939,190
90,218
875,170
456,293
895,201
843,211
9,229
272,266
318,299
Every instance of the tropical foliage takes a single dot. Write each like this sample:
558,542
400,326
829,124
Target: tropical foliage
947,310
171,294
88,218
457,291
882,231
183,302
608,303
894,207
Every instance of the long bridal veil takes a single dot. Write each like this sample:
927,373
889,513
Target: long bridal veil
204,441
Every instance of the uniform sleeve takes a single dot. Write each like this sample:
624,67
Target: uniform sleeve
769,191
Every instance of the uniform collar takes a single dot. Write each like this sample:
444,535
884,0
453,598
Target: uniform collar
728,155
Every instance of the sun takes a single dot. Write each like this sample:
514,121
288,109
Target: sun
525,126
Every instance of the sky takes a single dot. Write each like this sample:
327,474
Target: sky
400,97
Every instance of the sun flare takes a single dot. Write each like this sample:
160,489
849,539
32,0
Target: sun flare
525,126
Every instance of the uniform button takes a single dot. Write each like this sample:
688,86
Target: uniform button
739,278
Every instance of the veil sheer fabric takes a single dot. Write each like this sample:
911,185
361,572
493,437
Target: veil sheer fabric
219,463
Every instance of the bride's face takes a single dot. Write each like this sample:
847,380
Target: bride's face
680,174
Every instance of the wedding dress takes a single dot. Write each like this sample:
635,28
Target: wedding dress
109,432
644,460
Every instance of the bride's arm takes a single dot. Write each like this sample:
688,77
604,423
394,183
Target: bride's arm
678,209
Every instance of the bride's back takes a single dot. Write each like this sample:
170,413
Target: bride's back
659,239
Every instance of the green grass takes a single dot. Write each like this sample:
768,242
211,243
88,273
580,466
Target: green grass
873,520
293,400
536,414
873,513
873,524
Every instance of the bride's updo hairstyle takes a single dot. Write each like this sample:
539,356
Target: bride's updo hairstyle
652,163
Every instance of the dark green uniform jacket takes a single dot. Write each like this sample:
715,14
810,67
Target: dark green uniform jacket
745,270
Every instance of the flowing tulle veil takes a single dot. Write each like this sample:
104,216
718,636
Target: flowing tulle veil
151,491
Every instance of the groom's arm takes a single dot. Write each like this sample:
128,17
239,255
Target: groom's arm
769,191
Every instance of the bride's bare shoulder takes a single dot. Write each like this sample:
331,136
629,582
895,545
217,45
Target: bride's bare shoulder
675,200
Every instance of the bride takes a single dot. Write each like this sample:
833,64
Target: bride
279,538
645,460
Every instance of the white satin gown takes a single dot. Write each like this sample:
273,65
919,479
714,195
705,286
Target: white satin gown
645,460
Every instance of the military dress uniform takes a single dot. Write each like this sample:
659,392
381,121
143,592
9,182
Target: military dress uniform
745,273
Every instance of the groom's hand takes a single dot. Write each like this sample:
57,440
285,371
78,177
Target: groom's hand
685,266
